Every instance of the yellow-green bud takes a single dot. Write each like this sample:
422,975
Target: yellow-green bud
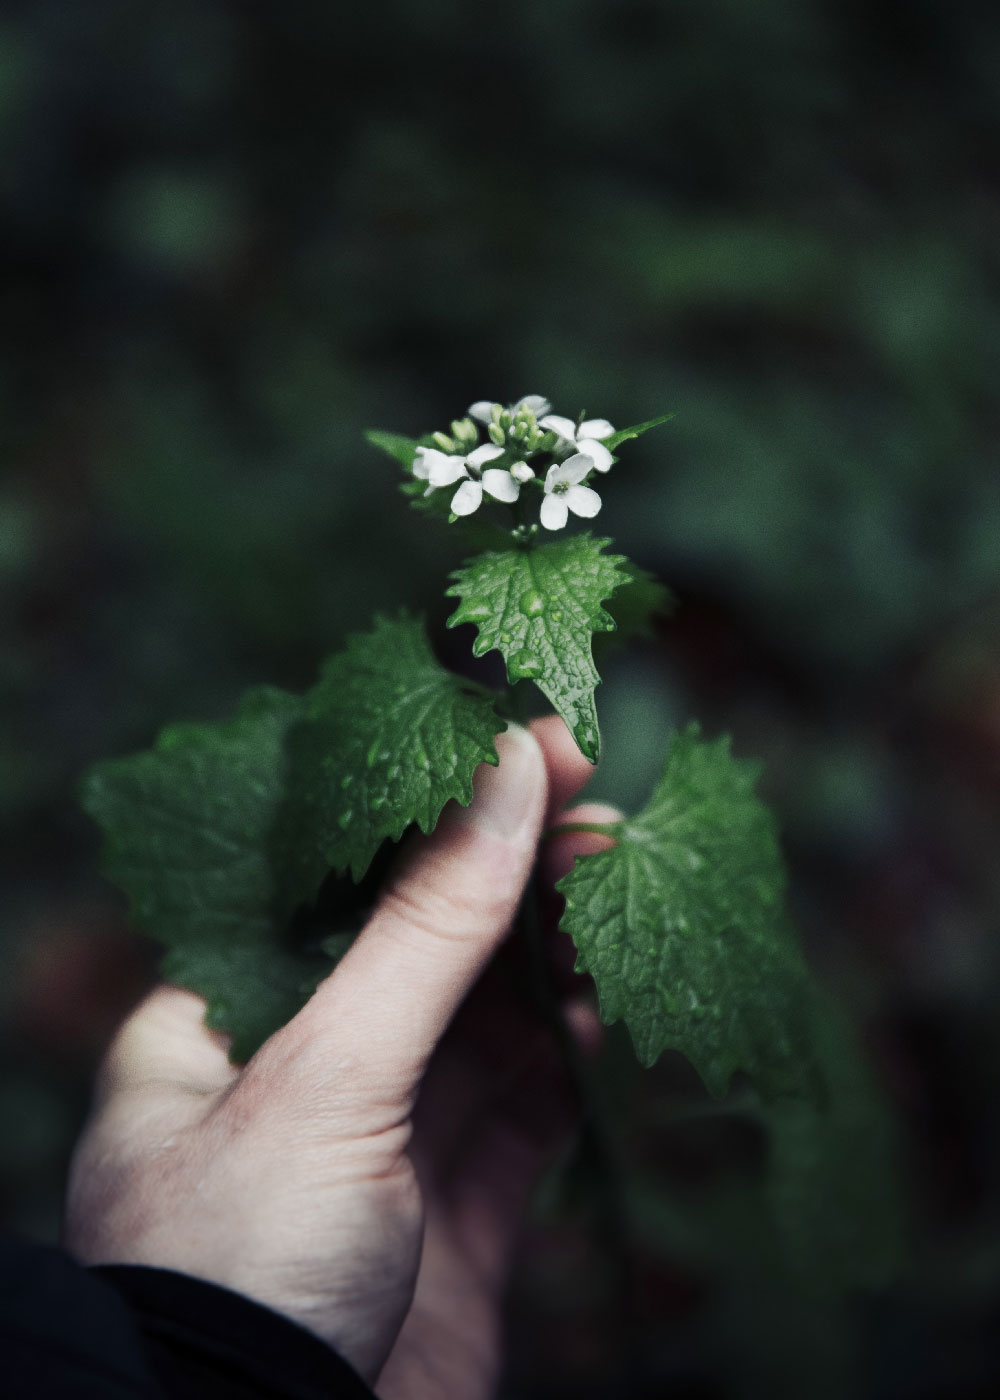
497,434
444,442
464,430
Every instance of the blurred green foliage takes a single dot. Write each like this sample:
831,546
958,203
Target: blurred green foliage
237,236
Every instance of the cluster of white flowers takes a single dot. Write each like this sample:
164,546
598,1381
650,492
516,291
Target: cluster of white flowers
518,432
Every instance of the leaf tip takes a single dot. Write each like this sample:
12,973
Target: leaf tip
588,741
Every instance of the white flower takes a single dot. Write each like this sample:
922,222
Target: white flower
584,437
421,467
482,409
535,402
564,492
444,469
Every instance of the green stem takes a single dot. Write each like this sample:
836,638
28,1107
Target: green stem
572,828
597,1150
518,510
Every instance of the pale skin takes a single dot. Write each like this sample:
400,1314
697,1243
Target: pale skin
366,1172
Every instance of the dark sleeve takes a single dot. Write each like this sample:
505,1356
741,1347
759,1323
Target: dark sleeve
149,1334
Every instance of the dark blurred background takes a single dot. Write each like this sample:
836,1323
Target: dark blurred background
236,235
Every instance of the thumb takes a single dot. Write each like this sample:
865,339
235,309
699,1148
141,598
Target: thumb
448,906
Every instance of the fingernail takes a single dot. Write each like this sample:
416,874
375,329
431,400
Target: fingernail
508,799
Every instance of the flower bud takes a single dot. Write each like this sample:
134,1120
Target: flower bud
464,430
521,472
497,434
444,442
519,431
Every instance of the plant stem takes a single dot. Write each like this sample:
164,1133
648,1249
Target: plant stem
569,828
597,1150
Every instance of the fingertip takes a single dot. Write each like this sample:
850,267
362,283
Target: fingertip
568,770
165,1038
584,1024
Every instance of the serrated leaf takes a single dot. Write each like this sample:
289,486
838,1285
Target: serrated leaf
682,927
624,434
403,449
633,609
388,736
187,826
540,608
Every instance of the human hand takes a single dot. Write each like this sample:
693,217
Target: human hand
365,1172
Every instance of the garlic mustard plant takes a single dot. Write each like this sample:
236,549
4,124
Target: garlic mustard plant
234,840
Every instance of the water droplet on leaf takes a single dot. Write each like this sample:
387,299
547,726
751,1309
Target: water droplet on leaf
532,603
525,665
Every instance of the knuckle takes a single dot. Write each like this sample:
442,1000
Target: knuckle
457,915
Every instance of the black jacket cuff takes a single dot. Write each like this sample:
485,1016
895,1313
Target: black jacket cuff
202,1339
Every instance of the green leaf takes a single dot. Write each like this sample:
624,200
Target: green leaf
388,737
187,826
540,607
403,449
624,434
633,609
682,927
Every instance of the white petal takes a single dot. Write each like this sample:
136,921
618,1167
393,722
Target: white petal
574,469
467,498
425,459
481,410
521,472
535,402
565,427
500,485
554,513
595,428
582,501
486,453
447,470
553,476
599,455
